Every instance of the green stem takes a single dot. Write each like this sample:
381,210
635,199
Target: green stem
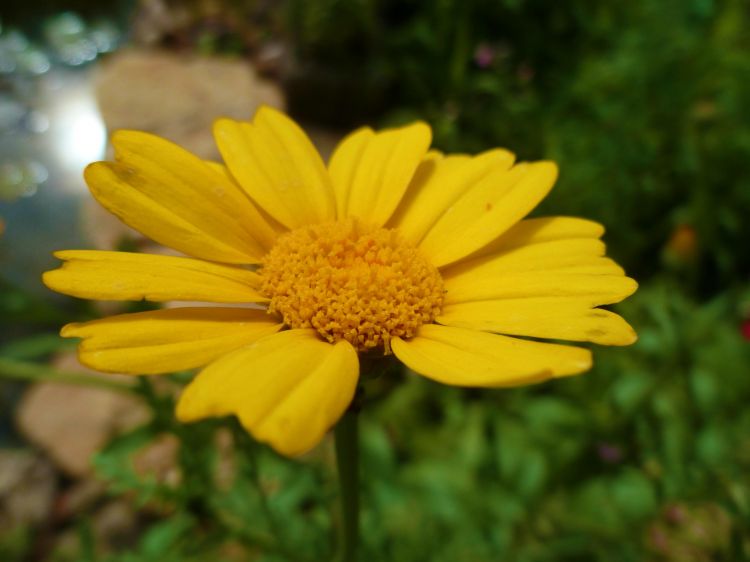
26,371
347,462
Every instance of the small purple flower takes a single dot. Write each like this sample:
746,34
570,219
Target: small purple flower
484,55
609,453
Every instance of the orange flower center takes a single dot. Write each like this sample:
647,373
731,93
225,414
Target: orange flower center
353,283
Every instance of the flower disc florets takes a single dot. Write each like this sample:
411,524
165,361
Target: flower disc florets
353,283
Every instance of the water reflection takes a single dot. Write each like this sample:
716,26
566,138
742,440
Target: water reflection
43,151
50,128
78,132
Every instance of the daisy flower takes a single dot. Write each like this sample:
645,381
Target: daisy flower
390,248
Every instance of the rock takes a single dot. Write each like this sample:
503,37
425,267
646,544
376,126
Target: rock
70,423
27,487
178,96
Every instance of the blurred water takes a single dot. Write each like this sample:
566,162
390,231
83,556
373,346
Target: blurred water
50,128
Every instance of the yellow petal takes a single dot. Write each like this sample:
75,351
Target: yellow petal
487,210
343,165
287,389
463,357
596,266
169,340
533,257
371,171
598,289
438,183
278,166
554,318
91,274
178,200
545,229
268,229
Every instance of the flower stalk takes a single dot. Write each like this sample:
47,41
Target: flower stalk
346,434
34,372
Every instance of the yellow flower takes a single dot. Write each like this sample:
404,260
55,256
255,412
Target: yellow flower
390,248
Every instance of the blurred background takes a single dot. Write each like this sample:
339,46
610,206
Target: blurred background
644,105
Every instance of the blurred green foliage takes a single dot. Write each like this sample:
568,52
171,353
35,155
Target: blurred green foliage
643,104
645,458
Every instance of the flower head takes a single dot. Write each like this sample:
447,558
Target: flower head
388,249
